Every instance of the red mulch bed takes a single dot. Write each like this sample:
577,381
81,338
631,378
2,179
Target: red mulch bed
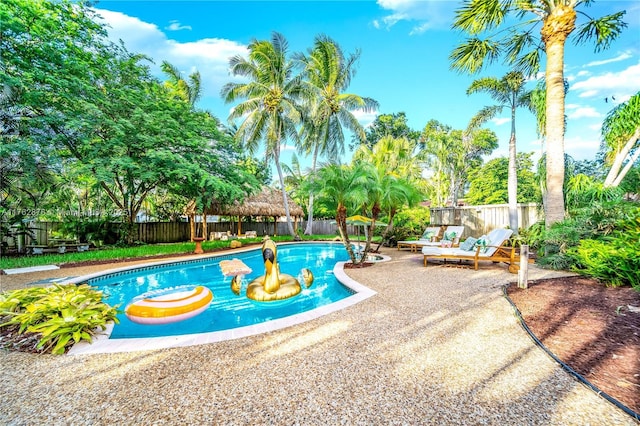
590,327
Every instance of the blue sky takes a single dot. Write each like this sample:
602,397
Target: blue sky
404,64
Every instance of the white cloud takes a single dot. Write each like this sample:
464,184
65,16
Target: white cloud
620,57
427,13
500,121
177,26
209,56
584,112
619,84
580,147
365,118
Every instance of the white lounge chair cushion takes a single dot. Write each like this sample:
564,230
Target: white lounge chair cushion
497,236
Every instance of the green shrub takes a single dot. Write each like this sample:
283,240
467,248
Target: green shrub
58,314
614,258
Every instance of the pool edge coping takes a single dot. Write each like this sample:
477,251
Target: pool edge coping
103,344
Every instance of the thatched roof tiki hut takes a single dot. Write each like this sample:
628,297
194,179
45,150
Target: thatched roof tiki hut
268,204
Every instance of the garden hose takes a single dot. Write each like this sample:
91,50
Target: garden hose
567,368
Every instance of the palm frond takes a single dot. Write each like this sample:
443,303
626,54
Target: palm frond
603,30
472,55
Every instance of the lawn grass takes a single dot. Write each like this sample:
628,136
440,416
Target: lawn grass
141,251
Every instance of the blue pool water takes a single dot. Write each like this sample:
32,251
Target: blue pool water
227,310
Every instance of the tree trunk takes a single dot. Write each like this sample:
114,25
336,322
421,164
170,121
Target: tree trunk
512,179
309,228
615,176
557,26
284,198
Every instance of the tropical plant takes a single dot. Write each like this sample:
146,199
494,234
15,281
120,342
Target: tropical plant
392,125
509,92
451,154
522,51
330,110
615,257
273,96
348,187
189,91
398,171
621,137
58,314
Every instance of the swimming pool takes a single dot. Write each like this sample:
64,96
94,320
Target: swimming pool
227,311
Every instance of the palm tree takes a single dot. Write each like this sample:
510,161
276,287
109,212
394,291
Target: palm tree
348,187
398,173
329,71
508,92
273,94
189,91
522,49
621,135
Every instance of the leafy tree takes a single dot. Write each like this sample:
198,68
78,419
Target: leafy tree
621,136
509,92
49,55
489,183
394,125
330,110
522,49
451,154
273,95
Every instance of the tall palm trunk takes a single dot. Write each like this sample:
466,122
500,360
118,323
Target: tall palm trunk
512,175
557,27
285,199
341,221
309,228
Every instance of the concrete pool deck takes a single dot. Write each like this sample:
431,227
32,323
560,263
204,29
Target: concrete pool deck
435,345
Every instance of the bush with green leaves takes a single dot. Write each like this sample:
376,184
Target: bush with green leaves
60,314
601,240
407,224
613,258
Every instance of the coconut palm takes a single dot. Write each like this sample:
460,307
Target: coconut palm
509,91
189,91
522,50
331,110
271,109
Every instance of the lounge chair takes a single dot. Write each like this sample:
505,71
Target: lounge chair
451,233
430,234
492,249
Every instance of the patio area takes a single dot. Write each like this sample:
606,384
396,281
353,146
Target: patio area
436,345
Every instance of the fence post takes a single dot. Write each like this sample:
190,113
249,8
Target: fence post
523,273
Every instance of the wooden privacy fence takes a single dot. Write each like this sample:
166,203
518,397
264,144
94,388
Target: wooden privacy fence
480,220
174,232
477,220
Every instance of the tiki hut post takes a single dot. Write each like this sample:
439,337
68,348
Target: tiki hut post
239,225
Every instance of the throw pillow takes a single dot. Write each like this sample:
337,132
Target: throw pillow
449,236
483,242
427,235
468,244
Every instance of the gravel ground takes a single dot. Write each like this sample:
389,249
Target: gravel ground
436,345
